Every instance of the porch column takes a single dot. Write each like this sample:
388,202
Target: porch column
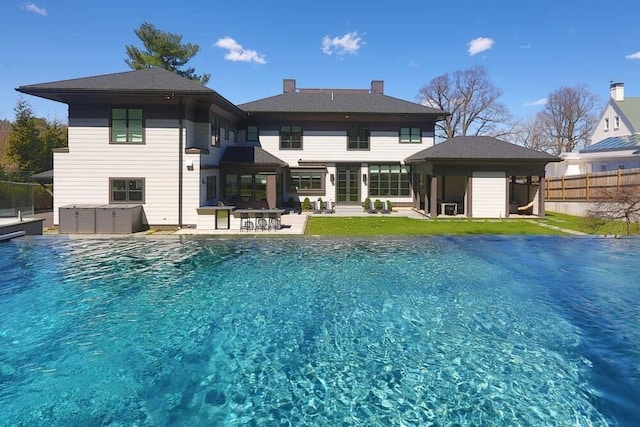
433,197
541,186
272,193
469,202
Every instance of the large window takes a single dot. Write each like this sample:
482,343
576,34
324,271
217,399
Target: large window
127,125
358,138
410,135
306,182
215,130
388,180
247,187
231,188
291,137
252,133
126,190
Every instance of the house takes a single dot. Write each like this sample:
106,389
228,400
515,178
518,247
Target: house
615,141
153,138
479,177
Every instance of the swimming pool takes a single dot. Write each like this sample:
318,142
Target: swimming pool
311,331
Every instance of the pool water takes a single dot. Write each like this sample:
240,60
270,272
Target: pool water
320,332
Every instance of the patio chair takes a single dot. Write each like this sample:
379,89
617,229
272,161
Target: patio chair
274,221
261,222
385,208
371,208
526,209
328,208
317,207
245,222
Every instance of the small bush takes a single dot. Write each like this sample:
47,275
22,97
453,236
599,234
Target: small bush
377,205
389,205
320,203
306,204
366,204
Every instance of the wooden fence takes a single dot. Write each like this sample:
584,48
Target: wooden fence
591,185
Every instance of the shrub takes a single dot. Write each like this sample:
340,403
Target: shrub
306,204
366,204
320,203
377,205
389,205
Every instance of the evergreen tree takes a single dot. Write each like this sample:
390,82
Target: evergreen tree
24,146
164,50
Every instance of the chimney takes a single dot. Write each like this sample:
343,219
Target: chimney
377,86
288,85
617,91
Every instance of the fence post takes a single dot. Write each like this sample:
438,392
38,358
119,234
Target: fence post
619,180
562,187
587,184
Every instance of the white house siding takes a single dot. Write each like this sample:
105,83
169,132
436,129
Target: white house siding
489,192
82,175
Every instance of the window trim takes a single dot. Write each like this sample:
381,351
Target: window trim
606,124
307,191
127,201
616,123
359,142
127,142
399,175
411,139
290,140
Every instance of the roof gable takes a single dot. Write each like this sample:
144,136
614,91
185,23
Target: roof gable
479,148
630,108
146,80
337,101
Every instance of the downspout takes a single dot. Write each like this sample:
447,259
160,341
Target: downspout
180,160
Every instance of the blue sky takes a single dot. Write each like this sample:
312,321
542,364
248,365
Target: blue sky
530,48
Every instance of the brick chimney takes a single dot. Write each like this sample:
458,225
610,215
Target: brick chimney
377,86
288,85
617,91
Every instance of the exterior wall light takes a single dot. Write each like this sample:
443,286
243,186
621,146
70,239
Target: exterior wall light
364,178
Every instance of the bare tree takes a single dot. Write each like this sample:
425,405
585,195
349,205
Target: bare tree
617,204
569,117
472,100
530,133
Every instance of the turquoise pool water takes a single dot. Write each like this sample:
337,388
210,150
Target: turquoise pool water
320,332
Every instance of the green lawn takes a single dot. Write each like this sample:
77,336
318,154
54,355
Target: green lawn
396,226
589,226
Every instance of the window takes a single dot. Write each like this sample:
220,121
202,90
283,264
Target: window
290,137
126,190
215,130
410,135
306,182
358,138
606,124
252,133
231,188
616,122
246,187
603,168
212,187
388,180
126,125
226,130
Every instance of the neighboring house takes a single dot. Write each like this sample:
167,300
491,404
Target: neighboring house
154,138
615,142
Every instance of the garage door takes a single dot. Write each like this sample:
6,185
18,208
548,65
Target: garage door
489,192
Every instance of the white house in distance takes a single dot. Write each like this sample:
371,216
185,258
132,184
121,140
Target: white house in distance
615,142
156,139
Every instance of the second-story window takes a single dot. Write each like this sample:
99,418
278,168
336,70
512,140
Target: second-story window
127,125
290,137
410,135
252,133
616,122
606,124
215,130
358,138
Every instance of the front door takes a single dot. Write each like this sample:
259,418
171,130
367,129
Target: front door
348,184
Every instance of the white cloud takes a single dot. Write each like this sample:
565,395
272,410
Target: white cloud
238,53
526,46
540,101
633,56
350,43
479,45
32,7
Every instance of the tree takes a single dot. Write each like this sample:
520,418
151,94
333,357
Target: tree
616,204
531,133
472,100
31,140
164,50
569,117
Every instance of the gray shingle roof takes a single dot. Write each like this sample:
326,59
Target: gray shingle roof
614,143
337,101
146,80
250,156
478,148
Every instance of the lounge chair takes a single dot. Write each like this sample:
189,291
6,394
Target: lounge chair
526,209
371,208
328,208
317,207
385,208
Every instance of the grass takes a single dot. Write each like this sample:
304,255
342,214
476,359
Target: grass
588,225
403,226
